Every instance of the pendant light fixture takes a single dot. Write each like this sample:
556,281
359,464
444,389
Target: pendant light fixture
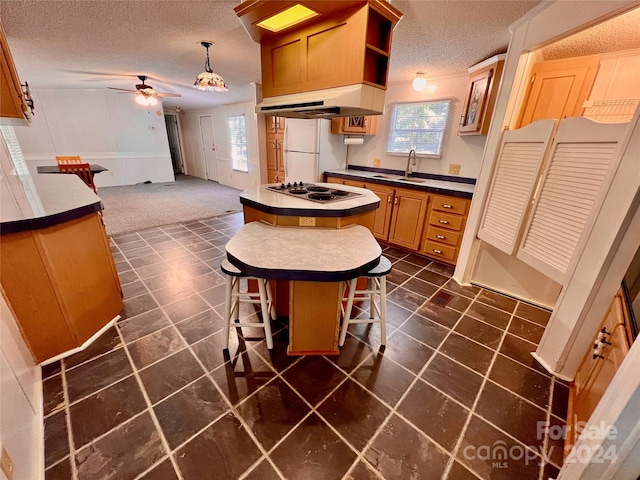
208,80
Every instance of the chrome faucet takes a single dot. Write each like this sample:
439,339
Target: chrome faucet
408,171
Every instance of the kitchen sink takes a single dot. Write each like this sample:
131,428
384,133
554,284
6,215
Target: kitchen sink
389,177
398,177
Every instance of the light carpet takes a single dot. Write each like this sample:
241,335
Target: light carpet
136,207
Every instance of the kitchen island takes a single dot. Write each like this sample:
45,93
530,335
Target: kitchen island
311,305
56,267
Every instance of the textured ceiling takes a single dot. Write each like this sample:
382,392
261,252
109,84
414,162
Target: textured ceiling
101,43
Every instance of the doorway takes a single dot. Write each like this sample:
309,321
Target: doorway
173,134
209,147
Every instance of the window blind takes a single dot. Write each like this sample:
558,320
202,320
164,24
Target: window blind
238,143
418,126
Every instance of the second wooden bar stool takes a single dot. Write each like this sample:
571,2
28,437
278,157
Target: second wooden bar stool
376,285
233,297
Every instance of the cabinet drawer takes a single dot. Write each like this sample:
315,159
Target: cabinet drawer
445,220
442,235
450,204
446,252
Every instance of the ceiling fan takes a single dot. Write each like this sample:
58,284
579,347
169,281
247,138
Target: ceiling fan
146,94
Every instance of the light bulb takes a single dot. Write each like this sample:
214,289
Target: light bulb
142,100
420,82
152,101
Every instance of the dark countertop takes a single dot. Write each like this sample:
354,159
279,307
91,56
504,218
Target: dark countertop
95,168
41,201
445,185
268,201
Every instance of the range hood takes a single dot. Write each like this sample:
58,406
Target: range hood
347,101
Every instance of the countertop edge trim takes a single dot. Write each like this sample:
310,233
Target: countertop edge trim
391,183
16,226
302,275
308,212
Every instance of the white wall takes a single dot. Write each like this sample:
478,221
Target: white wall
21,426
465,151
194,154
102,127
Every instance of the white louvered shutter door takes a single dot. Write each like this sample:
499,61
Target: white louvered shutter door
520,159
577,174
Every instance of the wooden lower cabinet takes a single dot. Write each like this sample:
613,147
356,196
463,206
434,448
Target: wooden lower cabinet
597,369
382,219
407,218
429,224
60,283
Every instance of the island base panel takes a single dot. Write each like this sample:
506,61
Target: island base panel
60,283
315,317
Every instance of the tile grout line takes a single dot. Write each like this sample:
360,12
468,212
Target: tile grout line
67,412
401,399
152,413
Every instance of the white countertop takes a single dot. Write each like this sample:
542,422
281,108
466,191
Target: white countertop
259,194
300,253
398,180
26,197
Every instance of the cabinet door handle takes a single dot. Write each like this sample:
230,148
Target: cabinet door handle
444,221
437,251
446,205
441,237
388,198
395,201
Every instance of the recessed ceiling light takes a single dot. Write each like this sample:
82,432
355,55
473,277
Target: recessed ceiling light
287,18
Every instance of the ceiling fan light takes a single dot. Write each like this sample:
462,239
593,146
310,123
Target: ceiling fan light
142,100
152,101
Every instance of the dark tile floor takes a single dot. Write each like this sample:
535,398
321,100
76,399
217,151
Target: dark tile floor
455,394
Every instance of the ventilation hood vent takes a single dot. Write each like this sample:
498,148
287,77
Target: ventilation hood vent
349,101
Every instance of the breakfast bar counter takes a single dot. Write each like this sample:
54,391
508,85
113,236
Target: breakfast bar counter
316,263
310,295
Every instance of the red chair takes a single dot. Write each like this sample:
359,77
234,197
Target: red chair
83,170
65,160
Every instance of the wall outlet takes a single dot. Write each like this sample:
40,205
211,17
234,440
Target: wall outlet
307,221
6,464
454,169
376,162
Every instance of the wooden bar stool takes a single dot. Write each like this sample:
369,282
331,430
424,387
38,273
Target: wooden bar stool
376,285
233,297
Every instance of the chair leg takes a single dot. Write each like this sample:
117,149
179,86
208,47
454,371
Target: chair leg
265,312
347,311
272,303
383,309
227,311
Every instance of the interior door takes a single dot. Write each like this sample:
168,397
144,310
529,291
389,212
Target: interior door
173,134
558,88
209,147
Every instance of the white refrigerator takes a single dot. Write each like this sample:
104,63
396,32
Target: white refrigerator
310,149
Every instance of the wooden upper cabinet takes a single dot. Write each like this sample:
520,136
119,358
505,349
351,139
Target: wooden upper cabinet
13,107
481,95
346,47
363,125
558,89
